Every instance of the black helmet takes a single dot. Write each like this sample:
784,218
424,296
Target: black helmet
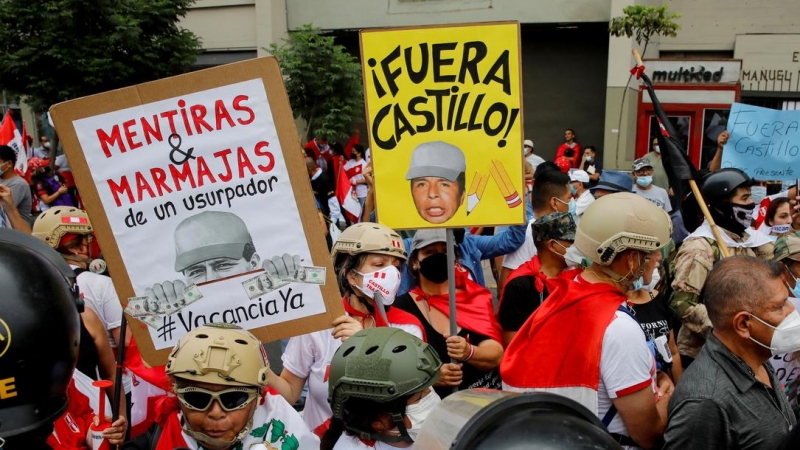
511,421
39,332
721,184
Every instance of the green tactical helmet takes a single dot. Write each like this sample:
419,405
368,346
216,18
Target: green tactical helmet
380,364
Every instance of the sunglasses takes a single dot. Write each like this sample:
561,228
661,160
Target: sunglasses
231,399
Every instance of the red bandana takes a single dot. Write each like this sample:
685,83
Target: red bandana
396,316
473,303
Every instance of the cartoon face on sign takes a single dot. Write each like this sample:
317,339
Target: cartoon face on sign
213,245
437,180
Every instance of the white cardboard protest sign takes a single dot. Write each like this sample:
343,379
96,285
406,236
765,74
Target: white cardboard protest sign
199,180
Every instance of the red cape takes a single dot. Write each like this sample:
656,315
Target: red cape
474,307
561,343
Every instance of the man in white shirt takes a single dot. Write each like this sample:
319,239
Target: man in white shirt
579,184
527,150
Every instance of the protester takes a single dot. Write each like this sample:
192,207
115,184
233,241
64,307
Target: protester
325,194
9,214
40,345
219,405
612,181
579,182
787,366
551,193
729,397
527,151
362,255
643,176
51,189
477,345
379,390
43,150
69,231
21,192
525,288
608,367
656,318
778,218
570,149
354,168
660,178
592,165
727,195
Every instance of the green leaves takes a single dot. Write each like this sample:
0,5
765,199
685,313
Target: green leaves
322,80
63,49
644,22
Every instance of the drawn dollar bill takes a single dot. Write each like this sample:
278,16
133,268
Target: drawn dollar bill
262,284
311,275
137,306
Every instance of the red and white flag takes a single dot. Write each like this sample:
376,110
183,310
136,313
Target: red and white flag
80,220
344,192
10,136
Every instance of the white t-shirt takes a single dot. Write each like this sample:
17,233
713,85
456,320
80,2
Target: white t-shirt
99,294
656,195
347,442
626,366
524,253
309,356
534,160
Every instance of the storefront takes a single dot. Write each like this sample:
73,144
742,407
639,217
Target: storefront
696,96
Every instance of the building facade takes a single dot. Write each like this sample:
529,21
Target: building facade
574,74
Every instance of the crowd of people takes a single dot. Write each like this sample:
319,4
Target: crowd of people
673,334
47,183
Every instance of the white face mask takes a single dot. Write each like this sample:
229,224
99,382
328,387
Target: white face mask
656,149
417,412
786,338
46,145
781,229
386,280
575,258
758,193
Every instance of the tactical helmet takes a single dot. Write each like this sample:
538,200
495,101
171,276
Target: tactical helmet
220,353
368,237
380,364
721,184
621,221
39,333
53,224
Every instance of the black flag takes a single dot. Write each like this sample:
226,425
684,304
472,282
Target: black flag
675,159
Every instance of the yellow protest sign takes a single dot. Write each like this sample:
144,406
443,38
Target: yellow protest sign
444,110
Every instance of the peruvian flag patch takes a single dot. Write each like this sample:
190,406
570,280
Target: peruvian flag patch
81,220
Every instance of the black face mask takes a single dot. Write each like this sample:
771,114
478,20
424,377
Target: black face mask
434,268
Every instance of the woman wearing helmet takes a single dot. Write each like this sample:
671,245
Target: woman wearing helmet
376,378
366,258
219,372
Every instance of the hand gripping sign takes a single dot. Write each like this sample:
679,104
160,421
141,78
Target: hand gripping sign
195,190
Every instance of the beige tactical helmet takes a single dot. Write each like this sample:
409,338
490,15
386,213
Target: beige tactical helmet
220,353
368,237
53,224
621,221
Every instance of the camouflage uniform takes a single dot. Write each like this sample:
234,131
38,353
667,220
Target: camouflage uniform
691,266
788,247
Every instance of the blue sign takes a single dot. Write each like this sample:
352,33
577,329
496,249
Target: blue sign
765,143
